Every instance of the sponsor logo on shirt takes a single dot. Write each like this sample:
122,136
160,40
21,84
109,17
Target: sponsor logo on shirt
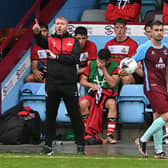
165,52
119,49
161,64
84,56
69,44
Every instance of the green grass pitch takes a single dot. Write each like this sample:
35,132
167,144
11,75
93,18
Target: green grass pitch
15,160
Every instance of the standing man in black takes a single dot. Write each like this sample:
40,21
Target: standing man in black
61,80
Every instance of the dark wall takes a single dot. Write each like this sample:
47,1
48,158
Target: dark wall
11,11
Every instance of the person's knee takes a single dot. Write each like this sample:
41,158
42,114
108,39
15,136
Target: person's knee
84,104
29,78
110,104
128,80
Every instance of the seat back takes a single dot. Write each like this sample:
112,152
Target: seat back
93,15
152,15
147,5
131,104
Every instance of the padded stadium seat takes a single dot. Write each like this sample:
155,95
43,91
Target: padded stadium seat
147,5
131,104
153,15
93,15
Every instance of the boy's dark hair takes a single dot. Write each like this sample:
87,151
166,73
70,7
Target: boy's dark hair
121,21
157,23
148,24
43,25
104,54
81,30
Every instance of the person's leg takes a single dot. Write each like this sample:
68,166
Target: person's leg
84,105
158,137
71,101
29,78
52,102
156,126
111,118
129,79
155,94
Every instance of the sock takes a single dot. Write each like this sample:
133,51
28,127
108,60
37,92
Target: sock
111,126
85,119
158,141
156,125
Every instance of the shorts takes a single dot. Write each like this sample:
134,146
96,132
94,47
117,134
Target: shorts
158,99
89,98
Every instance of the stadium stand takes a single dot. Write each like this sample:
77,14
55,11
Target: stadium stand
12,79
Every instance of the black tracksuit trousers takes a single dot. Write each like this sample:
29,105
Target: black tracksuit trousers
69,94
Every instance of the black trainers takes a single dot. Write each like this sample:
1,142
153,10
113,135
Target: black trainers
80,149
161,155
141,147
47,150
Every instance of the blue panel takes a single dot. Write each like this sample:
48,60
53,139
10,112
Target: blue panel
37,105
131,112
11,99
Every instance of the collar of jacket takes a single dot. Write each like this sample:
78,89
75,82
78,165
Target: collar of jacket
61,36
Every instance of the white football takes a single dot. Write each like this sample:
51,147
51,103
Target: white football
129,65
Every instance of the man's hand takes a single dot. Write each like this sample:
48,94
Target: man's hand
38,75
122,72
51,55
101,65
36,27
94,87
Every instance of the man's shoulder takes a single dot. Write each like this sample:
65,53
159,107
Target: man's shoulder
132,40
36,47
147,44
90,44
111,41
165,44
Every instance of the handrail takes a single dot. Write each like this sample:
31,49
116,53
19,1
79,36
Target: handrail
20,24
15,53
